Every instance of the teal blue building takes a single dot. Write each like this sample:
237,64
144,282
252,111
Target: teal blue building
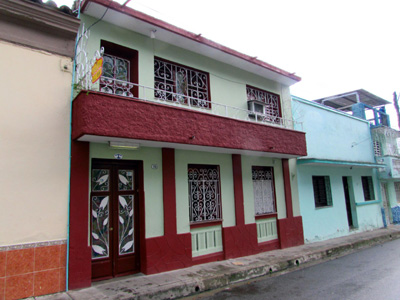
338,181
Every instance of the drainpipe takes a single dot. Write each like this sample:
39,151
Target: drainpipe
70,151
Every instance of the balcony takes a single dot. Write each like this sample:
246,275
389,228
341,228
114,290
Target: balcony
115,112
167,97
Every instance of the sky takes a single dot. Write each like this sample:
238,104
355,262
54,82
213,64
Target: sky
334,46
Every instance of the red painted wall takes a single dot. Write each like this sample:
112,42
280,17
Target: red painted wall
240,240
168,252
169,193
290,232
171,251
109,115
80,271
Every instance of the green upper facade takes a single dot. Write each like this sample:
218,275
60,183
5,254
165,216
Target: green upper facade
194,68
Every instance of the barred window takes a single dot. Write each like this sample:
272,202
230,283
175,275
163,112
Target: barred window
116,77
177,83
264,102
368,188
120,70
377,148
322,191
263,188
204,193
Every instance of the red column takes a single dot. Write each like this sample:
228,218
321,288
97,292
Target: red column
170,251
169,192
241,239
288,189
80,272
238,188
291,228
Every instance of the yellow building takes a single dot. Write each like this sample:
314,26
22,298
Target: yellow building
36,44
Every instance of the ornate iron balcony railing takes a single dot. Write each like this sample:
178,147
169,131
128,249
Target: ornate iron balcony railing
145,93
83,80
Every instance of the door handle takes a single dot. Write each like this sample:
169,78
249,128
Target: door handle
111,229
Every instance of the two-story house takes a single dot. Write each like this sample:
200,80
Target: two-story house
338,179
183,150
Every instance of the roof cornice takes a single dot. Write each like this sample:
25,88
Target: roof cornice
38,26
40,14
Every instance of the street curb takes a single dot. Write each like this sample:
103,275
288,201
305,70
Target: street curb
256,270
218,275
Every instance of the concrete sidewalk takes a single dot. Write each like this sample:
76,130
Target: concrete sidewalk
197,279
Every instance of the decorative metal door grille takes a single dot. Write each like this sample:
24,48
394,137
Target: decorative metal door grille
272,101
204,193
100,227
116,76
125,224
263,188
179,84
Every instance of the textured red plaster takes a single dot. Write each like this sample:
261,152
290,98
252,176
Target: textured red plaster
240,240
80,272
169,252
291,232
101,114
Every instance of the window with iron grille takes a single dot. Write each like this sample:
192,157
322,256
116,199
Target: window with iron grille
264,102
204,193
377,148
120,70
116,77
177,83
263,188
322,191
368,188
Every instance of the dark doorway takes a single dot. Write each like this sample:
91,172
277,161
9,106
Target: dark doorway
347,198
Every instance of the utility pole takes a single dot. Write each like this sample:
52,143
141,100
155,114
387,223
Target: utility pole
396,106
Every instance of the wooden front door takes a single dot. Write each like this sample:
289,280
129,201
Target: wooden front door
114,218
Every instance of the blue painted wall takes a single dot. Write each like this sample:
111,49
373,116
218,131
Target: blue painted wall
333,135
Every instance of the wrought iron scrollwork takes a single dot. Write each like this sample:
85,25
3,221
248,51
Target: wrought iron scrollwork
180,84
204,195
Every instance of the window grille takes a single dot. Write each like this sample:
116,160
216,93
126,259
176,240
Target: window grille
116,76
368,188
377,148
322,191
263,188
178,83
265,102
204,193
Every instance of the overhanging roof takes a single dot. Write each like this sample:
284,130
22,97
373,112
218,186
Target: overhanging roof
337,163
346,100
137,21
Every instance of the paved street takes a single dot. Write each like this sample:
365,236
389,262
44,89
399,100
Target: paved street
373,273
